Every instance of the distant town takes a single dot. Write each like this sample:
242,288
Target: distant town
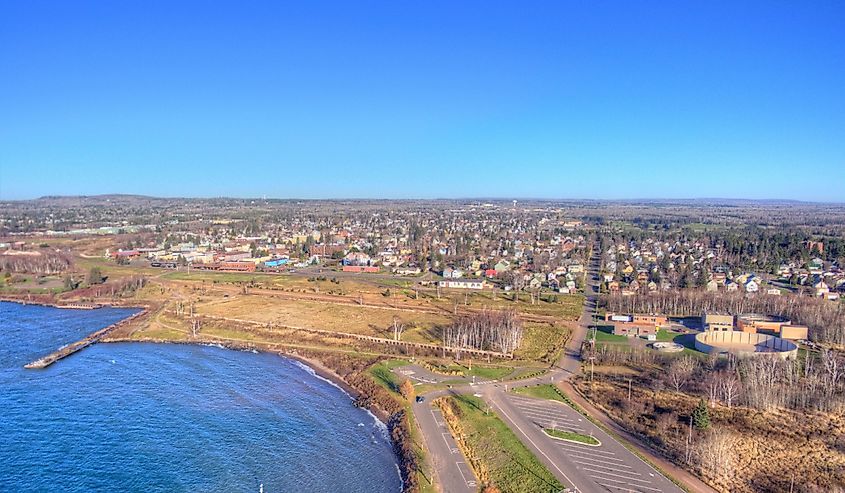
697,333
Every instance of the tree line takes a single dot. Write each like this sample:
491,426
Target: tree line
825,320
492,330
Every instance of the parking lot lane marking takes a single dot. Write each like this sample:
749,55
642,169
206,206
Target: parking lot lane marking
592,450
614,467
626,478
446,440
460,470
624,489
602,459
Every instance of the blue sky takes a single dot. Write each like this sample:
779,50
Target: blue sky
393,99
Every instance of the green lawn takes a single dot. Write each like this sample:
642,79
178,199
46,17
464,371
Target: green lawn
480,371
665,335
568,435
604,333
549,392
497,452
383,375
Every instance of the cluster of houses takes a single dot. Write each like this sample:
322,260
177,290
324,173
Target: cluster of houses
636,267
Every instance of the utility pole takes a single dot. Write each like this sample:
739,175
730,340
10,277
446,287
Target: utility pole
629,389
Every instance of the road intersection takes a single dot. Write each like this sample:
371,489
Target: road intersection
608,467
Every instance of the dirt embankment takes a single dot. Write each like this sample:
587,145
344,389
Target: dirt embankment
743,450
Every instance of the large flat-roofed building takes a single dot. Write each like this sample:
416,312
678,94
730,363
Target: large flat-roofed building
718,322
631,330
753,323
636,319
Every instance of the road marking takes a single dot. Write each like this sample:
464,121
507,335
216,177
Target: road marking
608,467
626,478
578,456
624,489
468,483
449,445
546,412
584,449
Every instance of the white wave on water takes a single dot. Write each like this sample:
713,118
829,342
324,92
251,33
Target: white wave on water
315,374
377,423
213,344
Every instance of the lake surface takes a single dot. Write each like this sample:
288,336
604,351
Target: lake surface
147,417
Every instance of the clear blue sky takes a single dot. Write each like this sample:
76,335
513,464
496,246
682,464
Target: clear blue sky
549,99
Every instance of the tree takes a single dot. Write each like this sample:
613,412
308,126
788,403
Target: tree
70,284
398,329
406,388
95,276
701,416
680,372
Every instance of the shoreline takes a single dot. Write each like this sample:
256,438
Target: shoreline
72,305
316,366
360,399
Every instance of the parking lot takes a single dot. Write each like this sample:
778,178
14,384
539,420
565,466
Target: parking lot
606,467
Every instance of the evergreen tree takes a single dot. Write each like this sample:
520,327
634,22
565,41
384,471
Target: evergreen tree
701,416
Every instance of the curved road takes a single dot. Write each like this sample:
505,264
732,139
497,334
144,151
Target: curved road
609,467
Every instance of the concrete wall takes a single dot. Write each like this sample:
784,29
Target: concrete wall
745,344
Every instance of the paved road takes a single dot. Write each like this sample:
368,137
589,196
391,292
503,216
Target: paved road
570,362
609,467
450,465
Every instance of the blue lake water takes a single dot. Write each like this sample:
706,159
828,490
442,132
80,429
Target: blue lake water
147,417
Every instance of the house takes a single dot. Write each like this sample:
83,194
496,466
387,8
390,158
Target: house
356,259
712,286
462,284
502,266
731,286
360,268
276,262
773,291
450,273
752,286
237,266
407,271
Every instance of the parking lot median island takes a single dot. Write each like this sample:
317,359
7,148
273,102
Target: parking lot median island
571,437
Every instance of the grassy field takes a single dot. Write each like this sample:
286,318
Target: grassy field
542,342
568,435
542,391
325,316
383,375
495,453
564,307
